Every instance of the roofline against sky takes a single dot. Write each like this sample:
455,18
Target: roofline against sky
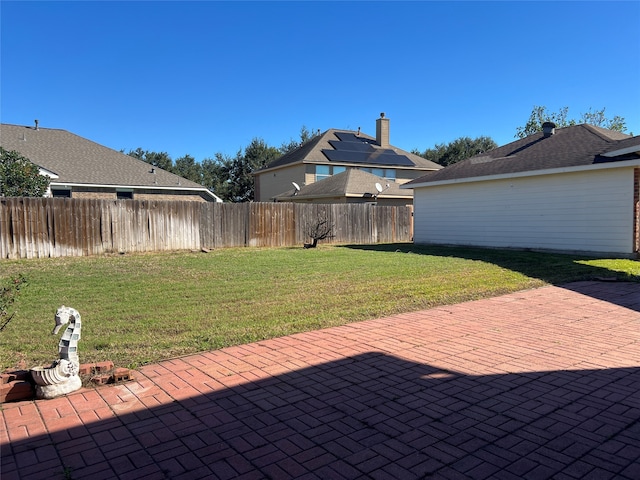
530,173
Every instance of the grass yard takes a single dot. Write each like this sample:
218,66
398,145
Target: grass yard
138,309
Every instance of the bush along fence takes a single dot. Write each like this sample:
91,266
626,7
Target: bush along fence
59,227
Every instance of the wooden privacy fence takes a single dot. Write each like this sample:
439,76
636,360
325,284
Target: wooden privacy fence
58,227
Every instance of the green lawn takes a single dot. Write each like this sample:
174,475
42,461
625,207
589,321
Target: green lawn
138,309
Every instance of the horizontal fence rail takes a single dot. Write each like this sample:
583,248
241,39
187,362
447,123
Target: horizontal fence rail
59,227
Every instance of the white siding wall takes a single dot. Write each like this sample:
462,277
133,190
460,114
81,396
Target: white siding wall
583,211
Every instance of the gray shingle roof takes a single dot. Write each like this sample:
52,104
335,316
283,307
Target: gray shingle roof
351,183
575,146
312,152
76,160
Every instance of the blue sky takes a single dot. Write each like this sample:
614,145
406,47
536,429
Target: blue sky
204,77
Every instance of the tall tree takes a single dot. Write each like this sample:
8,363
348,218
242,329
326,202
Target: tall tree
239,180
157,159
215,175
305,136
539,115
457,150
187,168
231,178
258,154
19,177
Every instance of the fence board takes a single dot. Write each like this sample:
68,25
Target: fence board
4,229
58,227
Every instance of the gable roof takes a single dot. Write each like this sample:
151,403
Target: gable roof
575,146
71,159
347,147
350,183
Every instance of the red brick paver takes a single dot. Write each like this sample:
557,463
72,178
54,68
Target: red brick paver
536,384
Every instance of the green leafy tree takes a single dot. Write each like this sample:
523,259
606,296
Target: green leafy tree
457,150
305,136
258,154
187,168
224,175
19,177
215,175
239,179
231,178
540,115
157,159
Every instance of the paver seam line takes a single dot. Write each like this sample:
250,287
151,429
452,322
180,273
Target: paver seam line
49,436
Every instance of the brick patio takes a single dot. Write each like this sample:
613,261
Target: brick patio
536,384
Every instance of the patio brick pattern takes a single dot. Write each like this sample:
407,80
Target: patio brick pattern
536,384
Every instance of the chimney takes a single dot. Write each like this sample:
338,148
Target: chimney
37,125
548,129
382,131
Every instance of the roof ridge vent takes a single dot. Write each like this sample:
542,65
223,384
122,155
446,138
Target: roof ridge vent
548,129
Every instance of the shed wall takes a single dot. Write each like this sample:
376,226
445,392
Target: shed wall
580,211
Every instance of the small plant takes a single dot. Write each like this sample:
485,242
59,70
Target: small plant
318,230
66,473
8,295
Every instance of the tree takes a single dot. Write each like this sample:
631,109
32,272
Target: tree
318,230
457,150
187,168
215,175
305,136
19,177
157,159
231,178
539,115
258,154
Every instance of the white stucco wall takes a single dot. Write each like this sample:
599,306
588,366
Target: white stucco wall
588,211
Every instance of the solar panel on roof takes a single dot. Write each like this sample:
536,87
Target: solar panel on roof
378,157
352,138
351,146
347,137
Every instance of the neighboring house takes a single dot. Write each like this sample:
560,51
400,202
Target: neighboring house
80,168
572,189
334,152
350,186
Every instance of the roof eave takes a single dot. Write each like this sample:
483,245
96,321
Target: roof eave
623,151
529,173
138,187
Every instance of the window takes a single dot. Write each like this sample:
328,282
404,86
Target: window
66,193
386,173
325,171
124,195
322,172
